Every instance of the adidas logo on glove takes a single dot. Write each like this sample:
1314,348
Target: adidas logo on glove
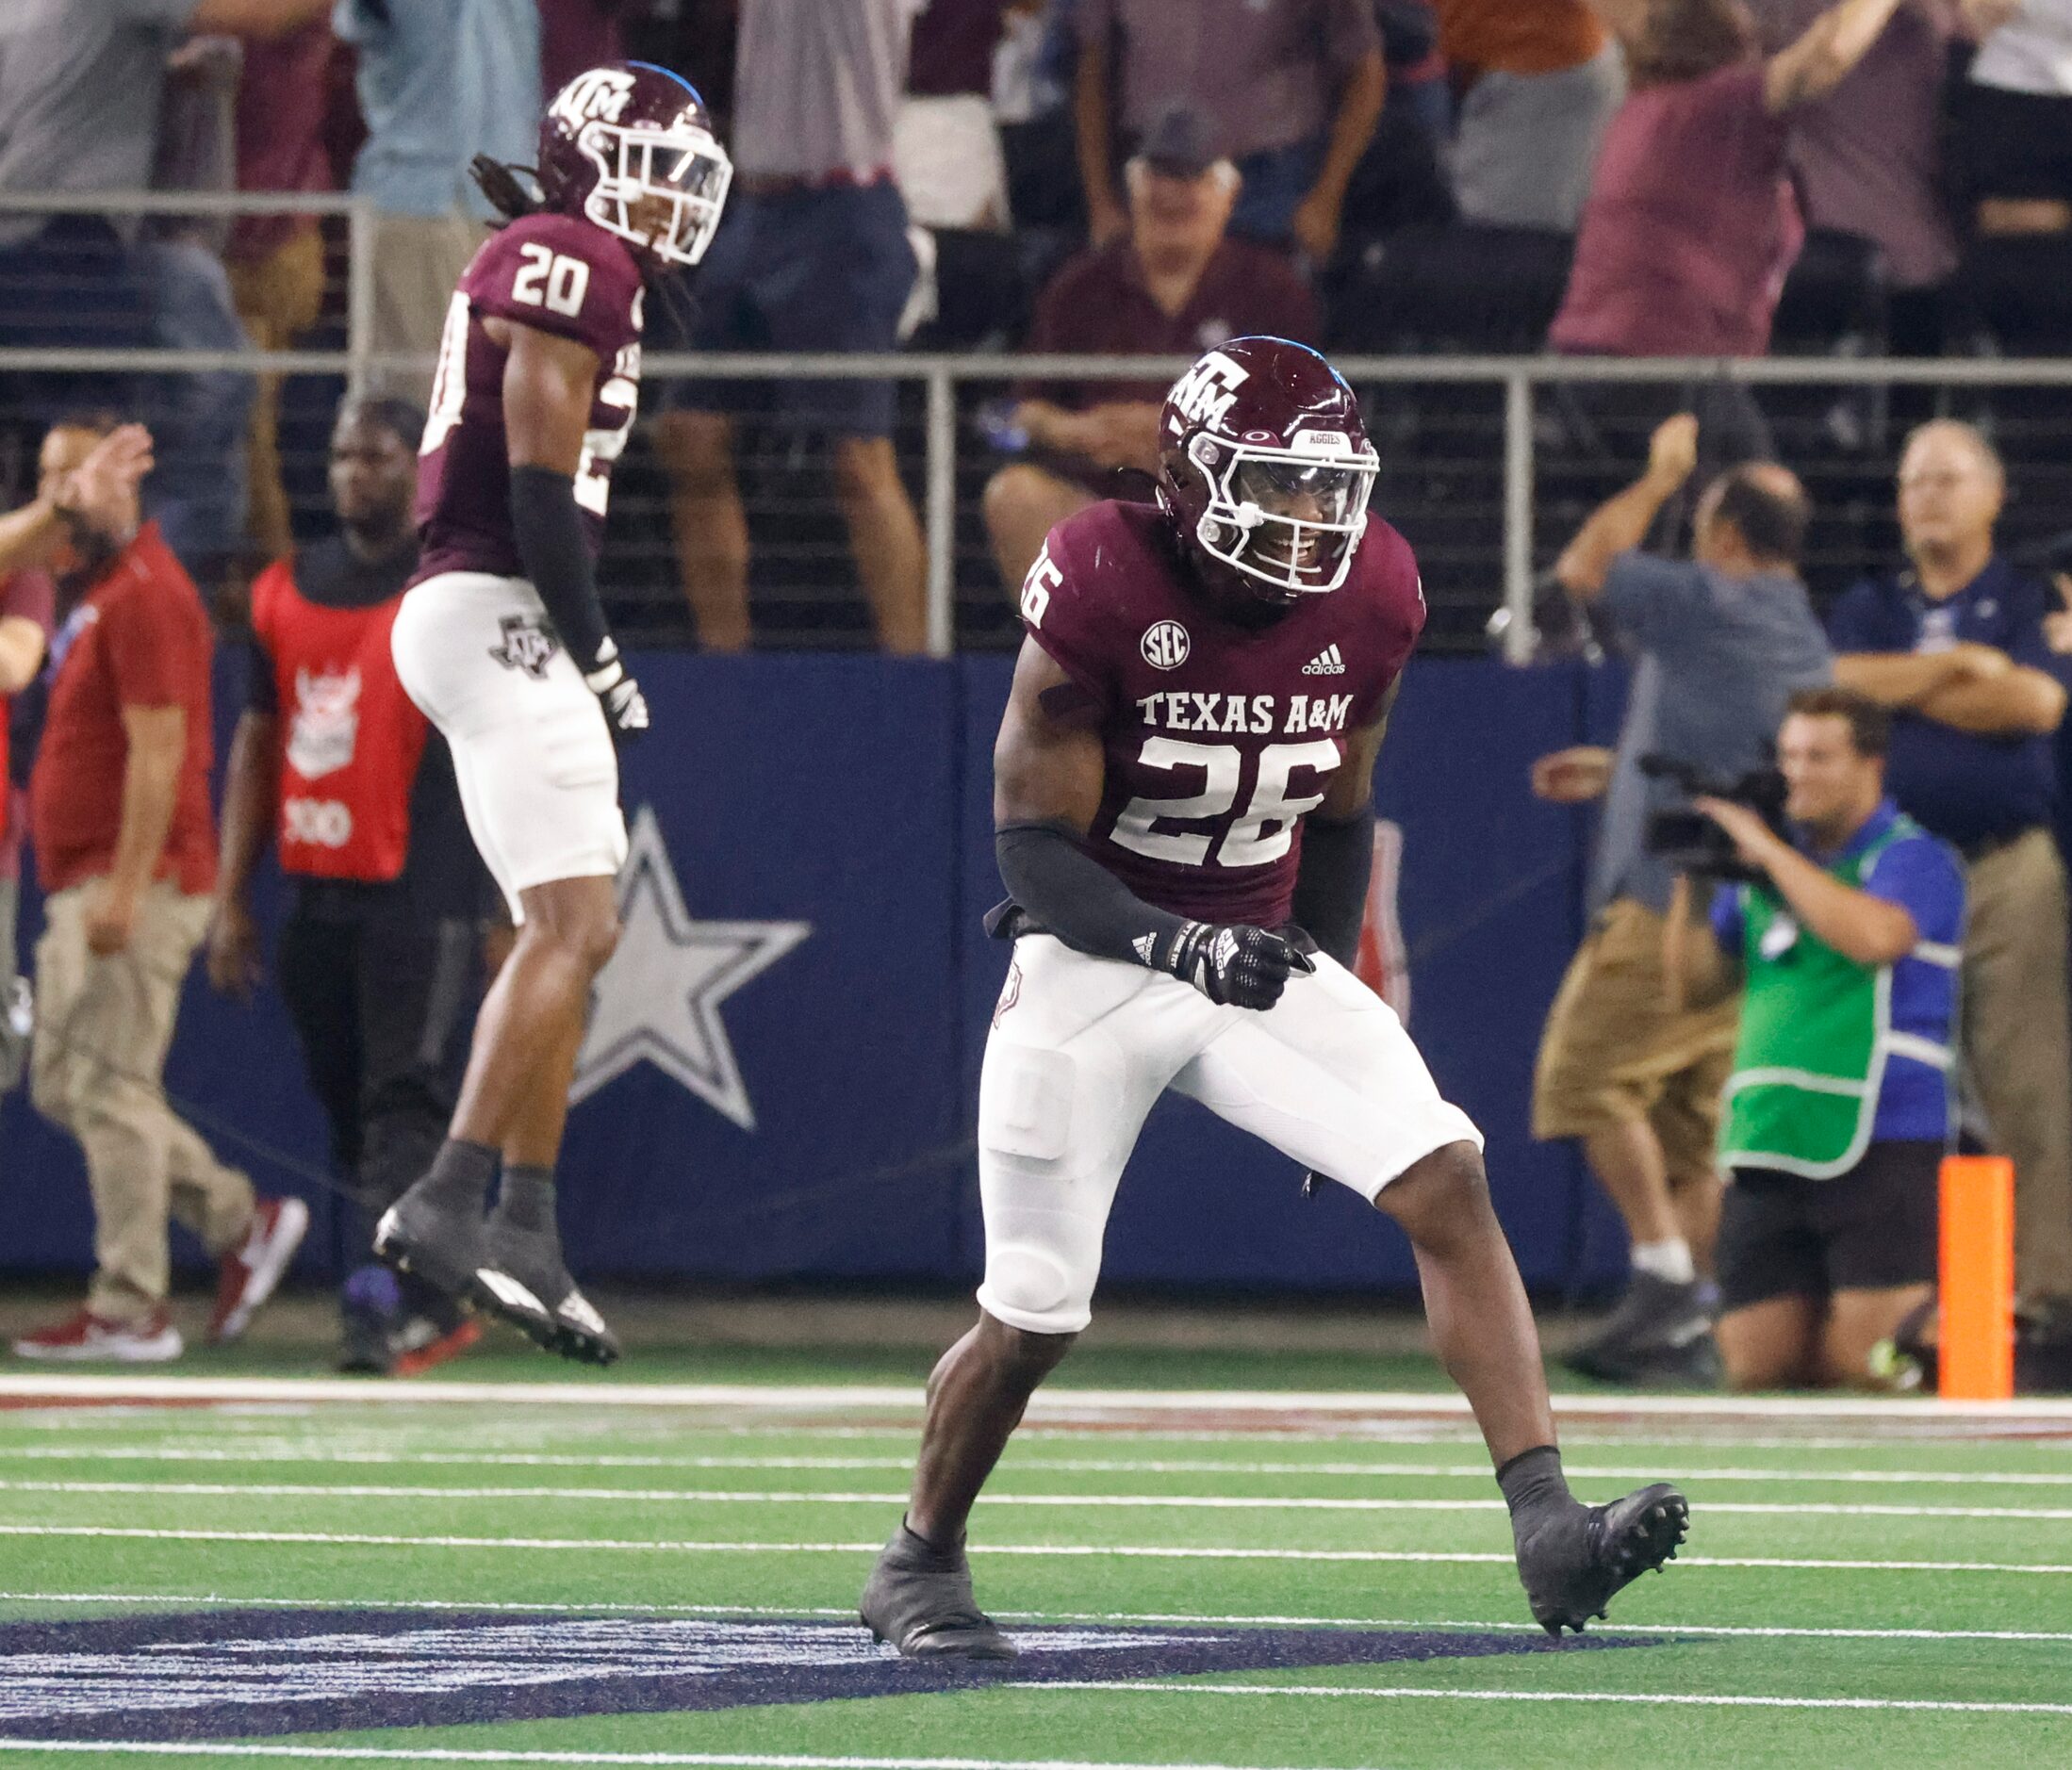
1326,662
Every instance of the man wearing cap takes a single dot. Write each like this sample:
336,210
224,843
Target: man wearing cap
1176,285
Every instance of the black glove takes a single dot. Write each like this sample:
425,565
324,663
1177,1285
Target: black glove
625,706
1231,963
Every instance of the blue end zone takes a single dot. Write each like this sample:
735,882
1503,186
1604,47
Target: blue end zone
230,1674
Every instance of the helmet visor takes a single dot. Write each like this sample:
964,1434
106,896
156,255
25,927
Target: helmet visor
666,192
1302,516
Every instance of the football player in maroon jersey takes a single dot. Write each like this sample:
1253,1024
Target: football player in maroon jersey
1183,804
502,643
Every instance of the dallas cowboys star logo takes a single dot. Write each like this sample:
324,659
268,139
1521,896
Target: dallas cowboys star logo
659,997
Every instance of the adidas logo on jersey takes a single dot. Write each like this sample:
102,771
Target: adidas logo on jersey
1326,662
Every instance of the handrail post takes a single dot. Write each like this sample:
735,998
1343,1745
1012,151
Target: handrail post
359,296
1517,517
942,513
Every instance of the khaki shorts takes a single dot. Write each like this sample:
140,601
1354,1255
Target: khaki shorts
1613,1051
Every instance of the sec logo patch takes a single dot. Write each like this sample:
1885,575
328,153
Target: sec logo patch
1165,645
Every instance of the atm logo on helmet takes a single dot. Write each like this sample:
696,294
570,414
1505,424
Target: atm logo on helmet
1206,392
600,93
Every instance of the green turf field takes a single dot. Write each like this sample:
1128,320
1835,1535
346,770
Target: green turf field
1864,1587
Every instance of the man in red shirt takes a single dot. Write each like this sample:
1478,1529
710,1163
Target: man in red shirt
1175,285
125,848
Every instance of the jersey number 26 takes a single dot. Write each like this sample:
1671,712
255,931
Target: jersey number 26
1262,832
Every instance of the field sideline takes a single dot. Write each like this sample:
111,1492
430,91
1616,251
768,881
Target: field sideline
273,1570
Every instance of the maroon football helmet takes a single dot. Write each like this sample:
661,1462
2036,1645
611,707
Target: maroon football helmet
1265,470
621,137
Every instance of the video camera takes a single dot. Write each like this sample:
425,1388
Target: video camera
1691,842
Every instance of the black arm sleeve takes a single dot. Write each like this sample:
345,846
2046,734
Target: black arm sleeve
1331,882
555,553
1071,895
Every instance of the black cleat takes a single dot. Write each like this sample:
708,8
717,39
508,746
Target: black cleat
522,1279
1575,1564
425,1236
918,1598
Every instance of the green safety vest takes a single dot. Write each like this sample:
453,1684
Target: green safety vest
1815,1032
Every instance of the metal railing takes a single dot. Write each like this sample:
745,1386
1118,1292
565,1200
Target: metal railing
943,377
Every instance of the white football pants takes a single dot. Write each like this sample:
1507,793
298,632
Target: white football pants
1081,1047
532,753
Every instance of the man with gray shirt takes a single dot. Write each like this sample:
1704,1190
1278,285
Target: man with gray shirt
1633,1059
813,256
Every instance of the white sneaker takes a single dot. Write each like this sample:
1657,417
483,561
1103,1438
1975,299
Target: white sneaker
250,1272
86,1335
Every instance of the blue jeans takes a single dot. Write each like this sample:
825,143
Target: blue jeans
1275,180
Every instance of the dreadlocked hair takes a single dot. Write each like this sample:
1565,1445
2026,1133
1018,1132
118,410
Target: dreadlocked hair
501,184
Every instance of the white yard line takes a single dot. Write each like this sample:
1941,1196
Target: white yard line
431,1754
1170,1618
1046,1550
1049,1404
319,1453
1147,1502
1651,1699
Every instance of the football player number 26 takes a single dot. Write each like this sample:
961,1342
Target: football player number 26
1261,833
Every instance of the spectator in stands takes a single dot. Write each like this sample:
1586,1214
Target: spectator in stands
1956,646
1401,181
1291,90
1638,1043
951,167
1838,1111
1175,285
82,89
1541,85
1868,158
336,772
2012,144
277,261
2015,113
813,256
1691,225
126,855
438,85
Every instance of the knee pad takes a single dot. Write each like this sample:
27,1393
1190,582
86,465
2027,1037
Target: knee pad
1034,1289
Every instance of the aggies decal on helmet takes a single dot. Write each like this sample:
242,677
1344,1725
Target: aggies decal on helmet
1265,470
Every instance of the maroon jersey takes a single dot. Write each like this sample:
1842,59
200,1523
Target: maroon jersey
1219,737
555,275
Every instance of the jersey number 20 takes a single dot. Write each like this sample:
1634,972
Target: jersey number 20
1262,833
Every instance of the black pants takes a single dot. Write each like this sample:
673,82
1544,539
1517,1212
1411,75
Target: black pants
382,1003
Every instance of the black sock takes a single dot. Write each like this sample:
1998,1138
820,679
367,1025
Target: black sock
1532,1480
526,1200
460,1174
951,1555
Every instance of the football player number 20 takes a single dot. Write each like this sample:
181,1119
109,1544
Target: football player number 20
1261,833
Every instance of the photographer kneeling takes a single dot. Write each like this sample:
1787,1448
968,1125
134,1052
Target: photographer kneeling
1838,1111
